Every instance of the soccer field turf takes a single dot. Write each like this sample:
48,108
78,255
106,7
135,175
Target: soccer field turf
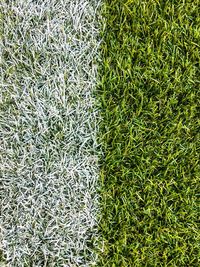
48,125
100,128
150,102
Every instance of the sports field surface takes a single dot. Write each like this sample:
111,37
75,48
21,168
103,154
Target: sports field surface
150,103
48,125
100,133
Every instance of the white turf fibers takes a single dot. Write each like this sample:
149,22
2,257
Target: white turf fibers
48,127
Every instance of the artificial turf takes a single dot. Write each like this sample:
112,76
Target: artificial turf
48,125
150,100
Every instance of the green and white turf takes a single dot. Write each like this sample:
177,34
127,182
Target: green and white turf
100,133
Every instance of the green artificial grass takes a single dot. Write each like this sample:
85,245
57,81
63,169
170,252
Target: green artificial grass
150,100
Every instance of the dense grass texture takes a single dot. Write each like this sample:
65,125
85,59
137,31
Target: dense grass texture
150,102
48,126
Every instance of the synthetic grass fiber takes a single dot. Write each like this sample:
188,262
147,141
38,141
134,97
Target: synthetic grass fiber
150,100
48,126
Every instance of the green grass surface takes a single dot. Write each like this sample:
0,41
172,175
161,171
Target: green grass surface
150,104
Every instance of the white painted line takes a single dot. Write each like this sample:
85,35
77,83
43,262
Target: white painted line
48,127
